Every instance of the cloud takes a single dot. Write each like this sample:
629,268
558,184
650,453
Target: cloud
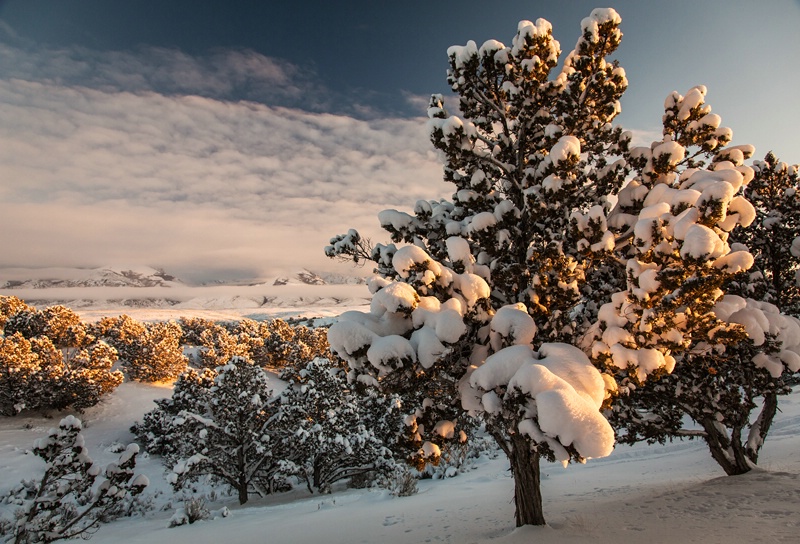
134,158
222,73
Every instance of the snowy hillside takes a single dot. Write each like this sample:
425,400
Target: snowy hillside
656,494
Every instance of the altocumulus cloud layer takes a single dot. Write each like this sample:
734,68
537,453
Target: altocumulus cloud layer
159,158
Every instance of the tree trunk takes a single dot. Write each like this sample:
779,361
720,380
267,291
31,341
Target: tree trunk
527,483
761,426
242,489
728,452
241,485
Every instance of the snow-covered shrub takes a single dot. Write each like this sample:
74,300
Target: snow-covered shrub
273,344
218,346
156,355
50,360
288,345
66,503
404,482
193,509
9,305
121,332
326,437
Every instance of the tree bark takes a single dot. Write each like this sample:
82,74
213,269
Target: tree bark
763,424
728,452
241,485
527,482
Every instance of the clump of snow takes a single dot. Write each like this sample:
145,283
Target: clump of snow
388,353
397,297
460,55
671,152
760,319
458,250
511,325
408,257
565,148
701,242
565,393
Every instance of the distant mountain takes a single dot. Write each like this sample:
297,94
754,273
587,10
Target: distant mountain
108,276
308,277
142,276
109,290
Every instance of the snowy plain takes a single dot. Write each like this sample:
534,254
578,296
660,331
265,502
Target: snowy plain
657,494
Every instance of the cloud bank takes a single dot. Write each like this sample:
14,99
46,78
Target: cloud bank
159,158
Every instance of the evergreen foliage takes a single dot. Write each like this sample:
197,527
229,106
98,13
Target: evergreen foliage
222,429
676,343
160,427
8,307
225,424
773,237
328,436
154,354
531,156
541,251
50,360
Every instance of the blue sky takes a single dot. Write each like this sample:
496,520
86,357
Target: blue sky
233,138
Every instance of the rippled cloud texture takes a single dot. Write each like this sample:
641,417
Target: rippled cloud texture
159,158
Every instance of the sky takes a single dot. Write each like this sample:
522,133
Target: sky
231,139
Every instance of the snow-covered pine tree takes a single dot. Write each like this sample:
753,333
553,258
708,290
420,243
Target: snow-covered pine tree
64,503
774,236
228,435
518,258
672,339
326,436
158,432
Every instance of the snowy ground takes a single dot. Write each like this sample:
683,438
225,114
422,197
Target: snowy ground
672,493
655,494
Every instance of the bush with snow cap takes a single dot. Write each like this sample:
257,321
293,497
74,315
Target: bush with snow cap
66,503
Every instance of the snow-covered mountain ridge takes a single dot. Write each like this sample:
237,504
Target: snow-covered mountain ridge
144,276
304,294
106,276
